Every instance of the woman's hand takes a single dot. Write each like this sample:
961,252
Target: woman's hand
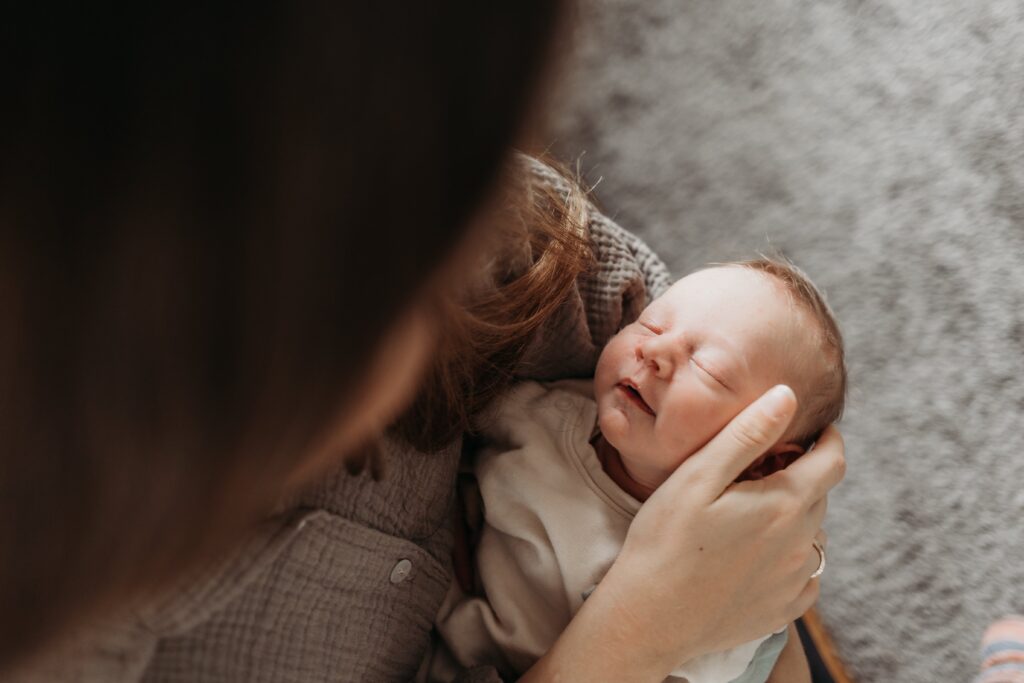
707,564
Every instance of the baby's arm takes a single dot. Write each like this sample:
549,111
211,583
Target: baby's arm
792,665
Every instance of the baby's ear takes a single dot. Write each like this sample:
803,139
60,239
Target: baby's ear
789,450
779,457
782,455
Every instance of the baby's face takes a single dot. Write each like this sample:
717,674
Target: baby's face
696,357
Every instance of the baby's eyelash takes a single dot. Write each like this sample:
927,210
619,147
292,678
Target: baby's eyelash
651,326
709,373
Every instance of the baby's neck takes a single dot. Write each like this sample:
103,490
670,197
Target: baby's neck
619,472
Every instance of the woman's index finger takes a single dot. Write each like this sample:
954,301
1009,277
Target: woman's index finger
816,472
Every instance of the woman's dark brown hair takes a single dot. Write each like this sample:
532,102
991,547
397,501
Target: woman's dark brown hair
209,215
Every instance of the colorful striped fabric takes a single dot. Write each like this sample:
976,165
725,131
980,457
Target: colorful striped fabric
1002,652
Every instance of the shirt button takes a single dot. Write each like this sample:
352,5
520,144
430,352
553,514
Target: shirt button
401,571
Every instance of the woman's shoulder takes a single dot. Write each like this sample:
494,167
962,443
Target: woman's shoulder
615,248
623,275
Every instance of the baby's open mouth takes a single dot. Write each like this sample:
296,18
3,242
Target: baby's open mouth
633,394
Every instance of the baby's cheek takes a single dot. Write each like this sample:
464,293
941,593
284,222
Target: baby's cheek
612,353
674,446
711,416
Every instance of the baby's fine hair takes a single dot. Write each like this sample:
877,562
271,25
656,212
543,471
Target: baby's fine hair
822,398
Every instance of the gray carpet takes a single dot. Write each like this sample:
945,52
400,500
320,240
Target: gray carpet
881,146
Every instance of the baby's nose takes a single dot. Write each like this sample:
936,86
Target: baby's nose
652,354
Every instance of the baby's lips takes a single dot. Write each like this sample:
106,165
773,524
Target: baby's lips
646,404
633,384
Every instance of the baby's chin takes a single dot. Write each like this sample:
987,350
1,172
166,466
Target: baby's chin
615,429
614,426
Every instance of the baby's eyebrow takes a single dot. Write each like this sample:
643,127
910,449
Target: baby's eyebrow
652,307
713,338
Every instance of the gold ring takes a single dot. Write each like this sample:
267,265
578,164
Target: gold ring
821,560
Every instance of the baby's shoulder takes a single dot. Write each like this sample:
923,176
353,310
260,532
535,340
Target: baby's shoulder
533,420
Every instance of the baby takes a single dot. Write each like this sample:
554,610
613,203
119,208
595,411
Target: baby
567,465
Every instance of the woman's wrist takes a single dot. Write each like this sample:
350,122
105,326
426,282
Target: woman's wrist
607,641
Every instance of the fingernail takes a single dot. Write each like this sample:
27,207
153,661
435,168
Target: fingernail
776,400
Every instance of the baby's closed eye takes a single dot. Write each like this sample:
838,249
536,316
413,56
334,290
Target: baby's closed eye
709,370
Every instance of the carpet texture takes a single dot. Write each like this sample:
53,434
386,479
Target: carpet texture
880,144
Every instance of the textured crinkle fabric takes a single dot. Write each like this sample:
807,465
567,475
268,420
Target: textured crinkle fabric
335,605
880,144
346,586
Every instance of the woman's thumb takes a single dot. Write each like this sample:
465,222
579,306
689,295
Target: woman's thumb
742,441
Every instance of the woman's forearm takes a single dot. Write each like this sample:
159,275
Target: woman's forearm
792,665
606,642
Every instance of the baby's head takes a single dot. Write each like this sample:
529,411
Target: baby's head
707,348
